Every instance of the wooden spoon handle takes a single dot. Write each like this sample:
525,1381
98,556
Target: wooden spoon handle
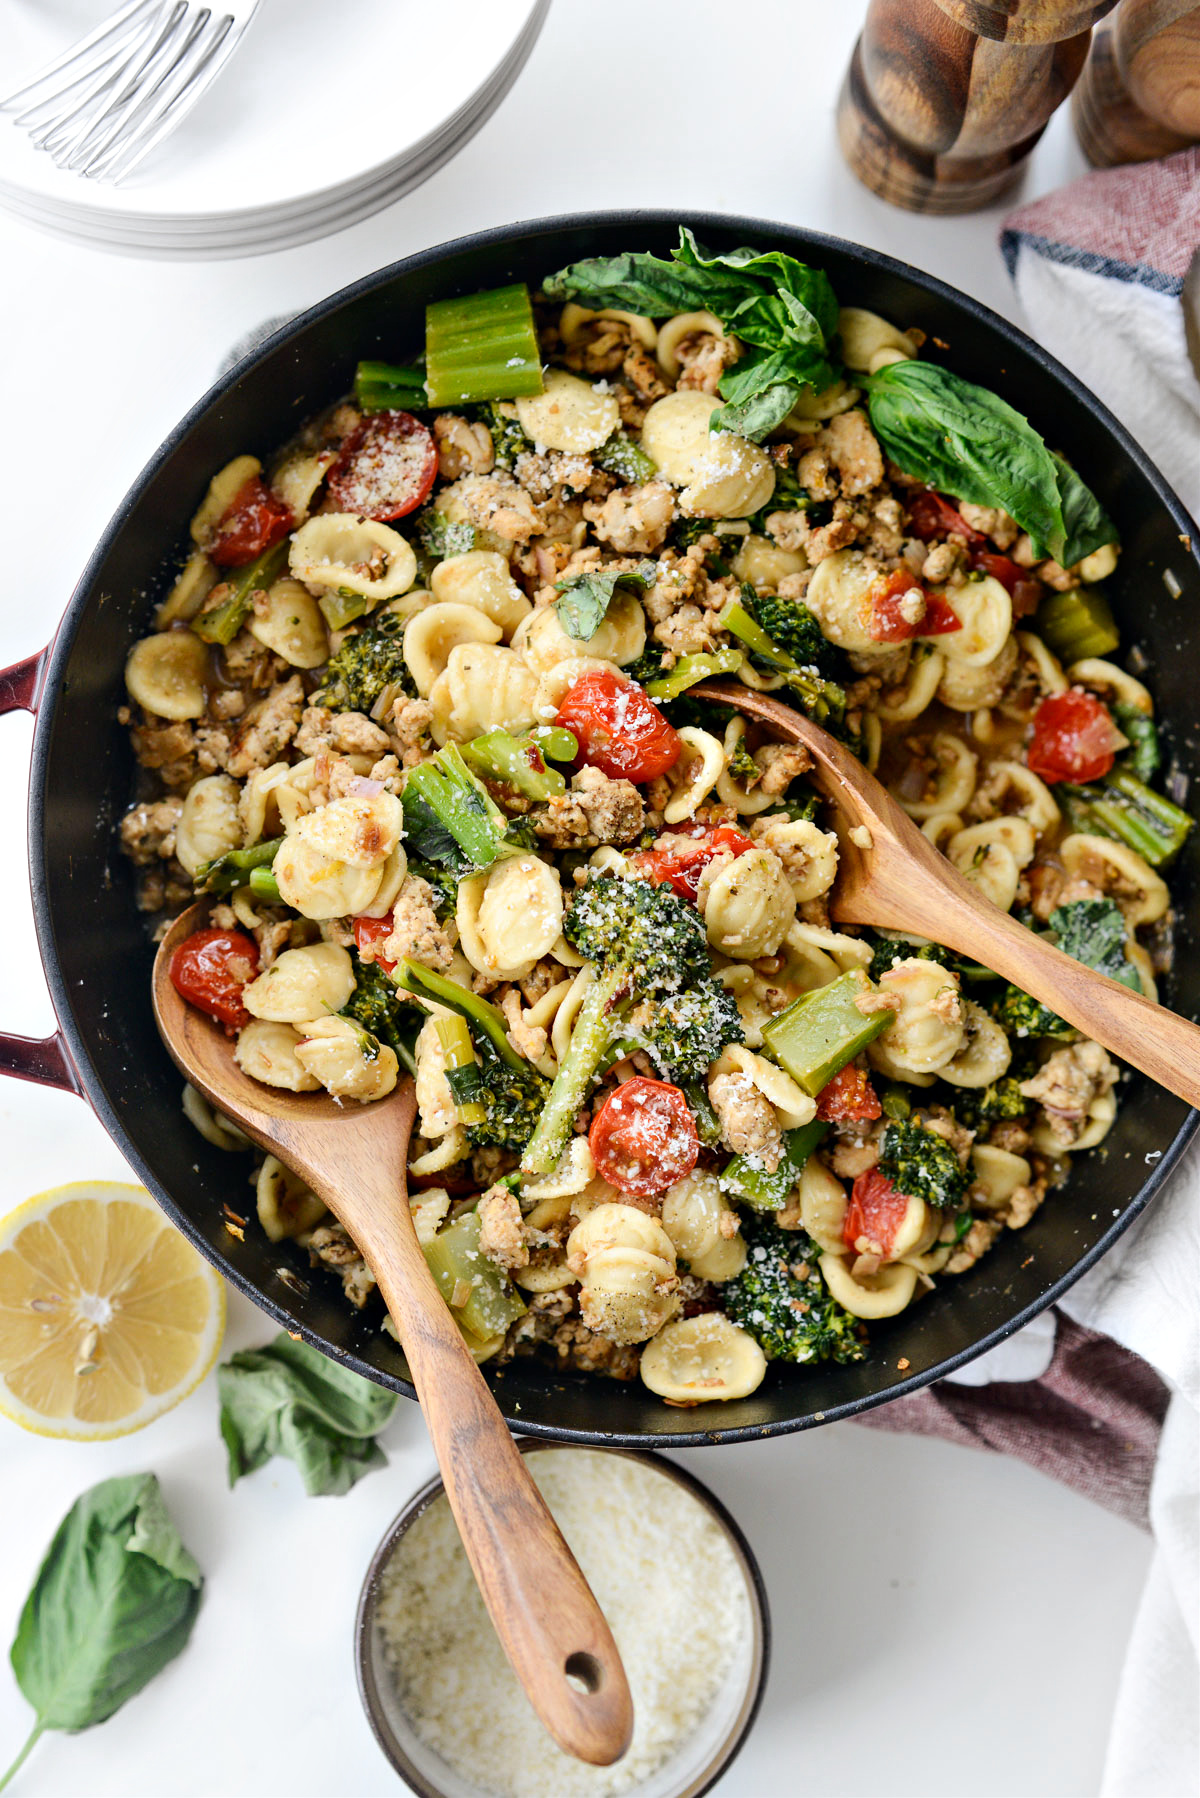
1146,1035
540,1603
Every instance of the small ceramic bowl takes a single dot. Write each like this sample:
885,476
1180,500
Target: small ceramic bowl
696,1765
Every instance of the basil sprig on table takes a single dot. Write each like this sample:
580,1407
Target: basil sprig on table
287,1399
113,1602
785,314
967,441
583,599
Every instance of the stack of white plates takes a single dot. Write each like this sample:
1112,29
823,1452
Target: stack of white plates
325,113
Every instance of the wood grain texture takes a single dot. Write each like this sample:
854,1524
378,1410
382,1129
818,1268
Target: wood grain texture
936,118
1139,96
901,882
1026,21
355,1157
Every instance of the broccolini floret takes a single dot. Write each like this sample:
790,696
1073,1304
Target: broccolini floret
510,1089
888,951
791,626
649,952
820,696
381,1010
781,1300
994,1104
1092,931
369,660
922,1165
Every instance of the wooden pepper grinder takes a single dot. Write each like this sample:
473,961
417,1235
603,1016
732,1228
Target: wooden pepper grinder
1139,96
944,99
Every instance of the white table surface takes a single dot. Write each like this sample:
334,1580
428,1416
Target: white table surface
945,1622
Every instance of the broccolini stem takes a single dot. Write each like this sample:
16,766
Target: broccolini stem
234,868
342,607
589,1039
462,1069
264,885
1124,807
461,804
423,983
520,762
220,623
482,347
386,387
690,669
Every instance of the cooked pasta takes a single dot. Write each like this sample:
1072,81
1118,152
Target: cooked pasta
417,719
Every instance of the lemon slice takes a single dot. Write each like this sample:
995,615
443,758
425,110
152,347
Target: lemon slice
108,1316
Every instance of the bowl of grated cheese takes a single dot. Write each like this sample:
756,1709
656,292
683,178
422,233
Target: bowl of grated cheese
683,1596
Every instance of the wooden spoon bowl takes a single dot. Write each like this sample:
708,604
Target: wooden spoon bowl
355,1157
891,876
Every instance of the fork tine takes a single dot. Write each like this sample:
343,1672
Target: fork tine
157,59
98,44
226,38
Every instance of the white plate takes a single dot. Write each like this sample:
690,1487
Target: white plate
306,130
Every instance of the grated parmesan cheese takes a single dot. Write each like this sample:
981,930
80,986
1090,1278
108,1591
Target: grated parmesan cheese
677,1602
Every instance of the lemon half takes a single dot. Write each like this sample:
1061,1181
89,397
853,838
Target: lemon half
108,1316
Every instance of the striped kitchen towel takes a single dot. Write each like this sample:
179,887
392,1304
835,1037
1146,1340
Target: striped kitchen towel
1099,268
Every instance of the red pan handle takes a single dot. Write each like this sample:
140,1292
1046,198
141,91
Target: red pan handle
44,1059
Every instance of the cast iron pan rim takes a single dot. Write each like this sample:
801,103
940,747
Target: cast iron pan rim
91,1080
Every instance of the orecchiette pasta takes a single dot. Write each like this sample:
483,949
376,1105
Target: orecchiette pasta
881,1294
746,799
625,1263
509,917
722,476
696,773
346,1059
827,403
570,414
927,1031
1106,677
481,578
748,905
997,1173
792,1104
223,489
435,1103
483,687
1119,871
699,1359
952,784
298,478
290,622
286,1207
761,561
431,635
193,586
209,824
213,1125
966,686
912,696
1016,834
167,674
864,334
703,1227
807,854
679,330
839,596
984,610
301,984
338,550
1016,791
823,1206
985,1053
574,320
620,638
267,1052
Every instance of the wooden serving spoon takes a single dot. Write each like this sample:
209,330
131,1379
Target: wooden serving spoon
893,877
355,1157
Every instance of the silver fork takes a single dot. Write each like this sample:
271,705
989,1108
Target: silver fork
105,103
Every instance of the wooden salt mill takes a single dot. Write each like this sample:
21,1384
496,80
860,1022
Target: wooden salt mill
1139,96
944,99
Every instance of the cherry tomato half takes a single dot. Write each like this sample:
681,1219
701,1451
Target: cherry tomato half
1072,738
256,519
618,729
369,936
876,1211
385,468
849,1097
682,867
932,515
209,970
886,622
643,1138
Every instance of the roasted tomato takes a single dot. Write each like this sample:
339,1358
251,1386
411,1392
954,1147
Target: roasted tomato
849,1097
886,621
618,729
210,968
643,1138
876,1211
1026,592
385,468
369,936
1073,738
256,519
684,865
933,516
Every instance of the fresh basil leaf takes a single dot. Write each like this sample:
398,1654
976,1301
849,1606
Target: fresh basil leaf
287,1399
1086,524
786,312
113,1602
967,441
583,599
427,839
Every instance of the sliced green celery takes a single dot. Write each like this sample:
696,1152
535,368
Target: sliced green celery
1077,624
390,387
482,347
221,622
746,1179
821,1031
487,1302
